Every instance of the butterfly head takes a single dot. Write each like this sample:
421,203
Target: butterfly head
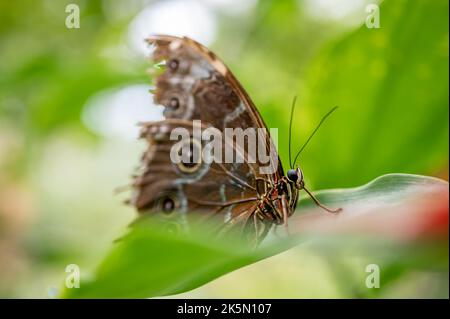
295,176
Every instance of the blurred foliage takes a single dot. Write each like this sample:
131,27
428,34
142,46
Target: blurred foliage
151,261
57,176
392,86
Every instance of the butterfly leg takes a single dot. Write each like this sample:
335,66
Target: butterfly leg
255,221
316,201
260,233
284,206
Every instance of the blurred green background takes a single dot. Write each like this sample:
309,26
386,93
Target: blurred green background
70,98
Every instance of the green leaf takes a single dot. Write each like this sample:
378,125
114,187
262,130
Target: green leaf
391,85
150,262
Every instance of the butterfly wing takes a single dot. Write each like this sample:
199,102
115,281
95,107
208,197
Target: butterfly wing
224,191
196,85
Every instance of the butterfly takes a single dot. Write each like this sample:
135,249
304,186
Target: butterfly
195,84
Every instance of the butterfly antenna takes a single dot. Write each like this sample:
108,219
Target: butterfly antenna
290,129
314,132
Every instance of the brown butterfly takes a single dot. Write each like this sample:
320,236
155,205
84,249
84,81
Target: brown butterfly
196,85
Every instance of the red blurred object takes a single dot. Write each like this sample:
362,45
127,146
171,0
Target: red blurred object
417,213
